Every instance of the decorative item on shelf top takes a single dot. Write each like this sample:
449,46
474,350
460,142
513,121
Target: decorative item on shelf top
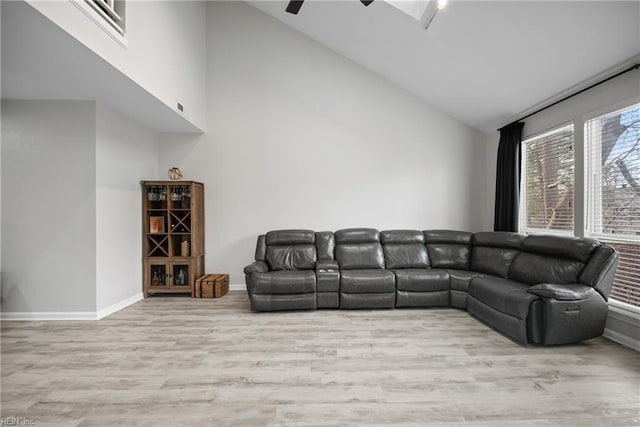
174,174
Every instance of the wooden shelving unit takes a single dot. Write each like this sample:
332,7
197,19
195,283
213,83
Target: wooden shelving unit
173,236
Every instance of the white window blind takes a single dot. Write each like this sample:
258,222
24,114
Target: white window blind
546,196
612,180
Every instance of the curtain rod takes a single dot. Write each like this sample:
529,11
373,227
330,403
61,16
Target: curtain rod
633,67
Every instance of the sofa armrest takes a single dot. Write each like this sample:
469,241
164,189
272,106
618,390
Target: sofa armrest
256,267
323,266
573,292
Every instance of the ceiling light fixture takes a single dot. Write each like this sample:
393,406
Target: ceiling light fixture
294,5
431,11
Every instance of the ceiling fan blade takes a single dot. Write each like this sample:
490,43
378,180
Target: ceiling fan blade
366,2
294,6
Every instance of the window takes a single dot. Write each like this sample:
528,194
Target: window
546,197
612,184
112,11
109,15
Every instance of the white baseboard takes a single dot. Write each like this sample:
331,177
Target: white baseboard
625,340
237,287
119,306
70,315
48,315
623,324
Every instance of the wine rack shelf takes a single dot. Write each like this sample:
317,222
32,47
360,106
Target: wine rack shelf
173,236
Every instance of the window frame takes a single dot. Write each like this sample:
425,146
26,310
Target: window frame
522,209
588,208
627,309
94,15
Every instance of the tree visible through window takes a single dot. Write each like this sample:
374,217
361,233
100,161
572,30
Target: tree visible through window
548,180
612,177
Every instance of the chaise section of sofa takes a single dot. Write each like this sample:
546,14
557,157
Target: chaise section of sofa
535,289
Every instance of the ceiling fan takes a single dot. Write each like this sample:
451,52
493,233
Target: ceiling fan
294,6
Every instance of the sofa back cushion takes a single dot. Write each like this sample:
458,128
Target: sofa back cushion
359,248
290,250
493,252
552,259
404,249
448,248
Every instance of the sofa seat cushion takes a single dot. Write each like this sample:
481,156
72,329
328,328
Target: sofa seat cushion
283,282
506,296
460,279
367,281
422,280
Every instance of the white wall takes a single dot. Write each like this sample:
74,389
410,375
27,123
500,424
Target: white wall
165,50
299,136
72,208
48,206
0,186
126,153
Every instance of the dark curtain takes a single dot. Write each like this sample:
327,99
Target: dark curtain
508,178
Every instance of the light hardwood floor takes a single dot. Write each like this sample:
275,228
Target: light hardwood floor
169,361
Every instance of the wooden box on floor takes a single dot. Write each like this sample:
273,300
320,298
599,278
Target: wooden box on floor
212,286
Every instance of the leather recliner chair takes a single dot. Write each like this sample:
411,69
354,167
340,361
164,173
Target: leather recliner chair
283,276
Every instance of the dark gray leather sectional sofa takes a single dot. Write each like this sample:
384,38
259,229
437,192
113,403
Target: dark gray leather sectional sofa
536,289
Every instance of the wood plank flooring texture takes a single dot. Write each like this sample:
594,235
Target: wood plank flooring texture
187,362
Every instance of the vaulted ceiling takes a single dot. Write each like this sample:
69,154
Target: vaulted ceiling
483,63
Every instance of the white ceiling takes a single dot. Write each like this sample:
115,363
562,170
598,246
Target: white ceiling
484,63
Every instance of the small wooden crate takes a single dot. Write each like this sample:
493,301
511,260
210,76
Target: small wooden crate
212,286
